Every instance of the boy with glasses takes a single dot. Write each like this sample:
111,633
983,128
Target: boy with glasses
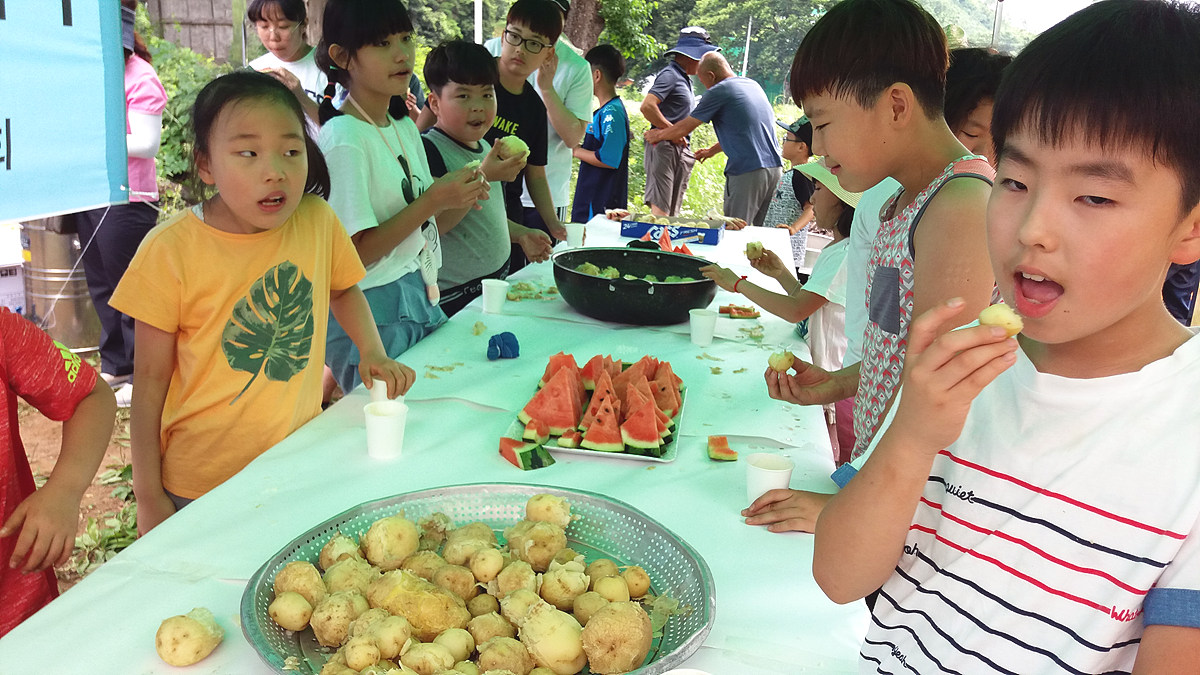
532,28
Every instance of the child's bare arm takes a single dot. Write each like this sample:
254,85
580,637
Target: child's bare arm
1168,650
951,251
46,520
539,192
153,365
350,308
861,531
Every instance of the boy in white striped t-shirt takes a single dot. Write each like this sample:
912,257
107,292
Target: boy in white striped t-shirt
1030,505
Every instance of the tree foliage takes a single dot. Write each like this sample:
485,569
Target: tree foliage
625,23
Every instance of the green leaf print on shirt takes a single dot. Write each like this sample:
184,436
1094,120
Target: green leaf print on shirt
271,329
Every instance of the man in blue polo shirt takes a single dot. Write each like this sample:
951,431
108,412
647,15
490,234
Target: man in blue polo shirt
744,122
670,100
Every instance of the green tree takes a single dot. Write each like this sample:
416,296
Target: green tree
778,28
438,20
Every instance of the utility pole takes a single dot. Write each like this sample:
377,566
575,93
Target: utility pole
478,22
746,54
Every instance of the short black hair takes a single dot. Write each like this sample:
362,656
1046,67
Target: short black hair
293,10
1120,73
461,62
861,47
973,77
544,17
608,60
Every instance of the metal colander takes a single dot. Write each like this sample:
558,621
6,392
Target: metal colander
606,528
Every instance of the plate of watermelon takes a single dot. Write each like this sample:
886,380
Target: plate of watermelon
629,411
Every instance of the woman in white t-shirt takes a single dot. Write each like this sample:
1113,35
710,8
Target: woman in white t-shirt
822,299
280,26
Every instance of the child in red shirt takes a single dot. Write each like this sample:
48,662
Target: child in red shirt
38,529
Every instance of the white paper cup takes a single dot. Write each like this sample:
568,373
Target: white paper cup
764,472
704,322
495,292
385,428
378,390
575,233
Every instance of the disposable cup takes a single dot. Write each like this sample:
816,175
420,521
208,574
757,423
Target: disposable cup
385,428
495,292
378,390
704,322
765,472
575,232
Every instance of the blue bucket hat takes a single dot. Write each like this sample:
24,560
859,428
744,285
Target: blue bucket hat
693,43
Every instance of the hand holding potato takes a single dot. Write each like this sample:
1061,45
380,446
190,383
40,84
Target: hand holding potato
809,386
504,169
943,376
770,264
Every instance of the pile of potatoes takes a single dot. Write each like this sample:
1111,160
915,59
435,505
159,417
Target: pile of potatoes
434,599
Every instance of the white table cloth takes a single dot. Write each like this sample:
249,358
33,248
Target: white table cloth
771,618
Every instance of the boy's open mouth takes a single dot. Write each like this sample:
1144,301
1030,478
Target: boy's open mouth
1035,295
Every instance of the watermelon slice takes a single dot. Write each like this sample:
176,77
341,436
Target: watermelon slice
634,398
590,371
602,392
524,456
667,397
614,368
557,362
570,439
604,434
631,374
667,374
536,431
557,404
718,449
641,429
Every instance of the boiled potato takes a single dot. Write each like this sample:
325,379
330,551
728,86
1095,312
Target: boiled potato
290,610
1002,315
617,638
780,362
186,639
303,578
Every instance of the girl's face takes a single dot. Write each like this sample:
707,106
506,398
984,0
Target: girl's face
256,158
827,207
280,35
976,131
383,69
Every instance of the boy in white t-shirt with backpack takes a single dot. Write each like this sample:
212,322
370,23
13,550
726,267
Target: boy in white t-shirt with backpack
1030,504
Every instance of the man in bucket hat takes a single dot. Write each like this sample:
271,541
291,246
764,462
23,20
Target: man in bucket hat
745,126
669,164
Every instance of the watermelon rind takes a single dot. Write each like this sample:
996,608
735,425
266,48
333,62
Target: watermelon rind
718,449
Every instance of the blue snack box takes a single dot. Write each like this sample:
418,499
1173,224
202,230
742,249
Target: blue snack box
680,230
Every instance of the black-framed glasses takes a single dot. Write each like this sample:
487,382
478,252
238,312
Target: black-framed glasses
532,46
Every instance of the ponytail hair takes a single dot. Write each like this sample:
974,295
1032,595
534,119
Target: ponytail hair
249,85
351,25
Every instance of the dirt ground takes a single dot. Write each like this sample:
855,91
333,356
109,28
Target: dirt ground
42,438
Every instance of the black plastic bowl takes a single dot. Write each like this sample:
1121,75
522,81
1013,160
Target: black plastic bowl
638,301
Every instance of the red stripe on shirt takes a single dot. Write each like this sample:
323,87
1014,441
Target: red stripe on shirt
1062,497
975,554
1026,545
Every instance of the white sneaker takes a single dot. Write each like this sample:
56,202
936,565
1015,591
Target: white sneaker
124,395
115,381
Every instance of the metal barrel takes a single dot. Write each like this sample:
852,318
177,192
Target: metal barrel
56,292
